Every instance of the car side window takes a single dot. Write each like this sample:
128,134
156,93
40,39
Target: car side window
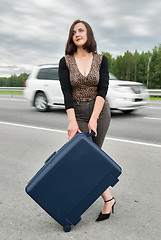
48,74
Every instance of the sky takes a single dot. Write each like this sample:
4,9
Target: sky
34,32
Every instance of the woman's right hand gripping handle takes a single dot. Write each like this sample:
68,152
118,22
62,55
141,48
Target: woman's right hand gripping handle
73,127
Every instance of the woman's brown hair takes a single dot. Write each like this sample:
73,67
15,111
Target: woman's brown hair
90,45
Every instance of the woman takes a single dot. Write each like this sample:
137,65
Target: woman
84,79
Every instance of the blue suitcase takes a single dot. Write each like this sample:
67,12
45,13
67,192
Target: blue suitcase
72,179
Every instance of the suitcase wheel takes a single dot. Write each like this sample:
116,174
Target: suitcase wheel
67,228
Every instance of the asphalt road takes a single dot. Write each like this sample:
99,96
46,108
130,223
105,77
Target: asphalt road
28,137
142,125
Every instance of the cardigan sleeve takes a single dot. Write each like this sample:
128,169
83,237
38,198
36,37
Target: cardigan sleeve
65,83
104,78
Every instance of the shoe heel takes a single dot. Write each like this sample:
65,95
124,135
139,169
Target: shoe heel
102,216
113,208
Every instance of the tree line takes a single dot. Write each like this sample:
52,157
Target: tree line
14,80
142,67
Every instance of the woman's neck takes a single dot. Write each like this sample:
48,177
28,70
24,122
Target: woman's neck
82,53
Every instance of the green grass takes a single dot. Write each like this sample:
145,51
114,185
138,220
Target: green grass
155,98
9,92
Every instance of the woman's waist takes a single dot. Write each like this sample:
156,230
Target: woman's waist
84,101
84,96
87,101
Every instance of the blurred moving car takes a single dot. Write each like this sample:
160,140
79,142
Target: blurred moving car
126,96
43,91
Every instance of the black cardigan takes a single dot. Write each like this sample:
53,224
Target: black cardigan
67,88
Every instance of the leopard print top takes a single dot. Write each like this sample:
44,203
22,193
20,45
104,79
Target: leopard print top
84,88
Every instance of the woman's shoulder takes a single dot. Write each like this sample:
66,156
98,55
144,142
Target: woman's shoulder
66,57
104,59
65,61
62,61
101,56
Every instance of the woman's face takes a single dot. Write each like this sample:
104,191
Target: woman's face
79,34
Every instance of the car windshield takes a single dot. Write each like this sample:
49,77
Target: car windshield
112,77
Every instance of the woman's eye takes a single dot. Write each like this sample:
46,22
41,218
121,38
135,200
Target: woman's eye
80,30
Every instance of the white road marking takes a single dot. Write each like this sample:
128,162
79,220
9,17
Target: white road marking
134,142
151,118
61,131
155,107
33,127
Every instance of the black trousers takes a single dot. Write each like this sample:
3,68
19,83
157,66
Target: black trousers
83,111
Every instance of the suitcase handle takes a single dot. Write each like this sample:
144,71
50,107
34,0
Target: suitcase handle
90,134
50,157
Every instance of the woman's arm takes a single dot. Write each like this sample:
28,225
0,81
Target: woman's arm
66,87
101,95
92,125
68,100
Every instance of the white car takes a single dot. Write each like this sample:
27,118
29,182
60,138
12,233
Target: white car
44,91
126,95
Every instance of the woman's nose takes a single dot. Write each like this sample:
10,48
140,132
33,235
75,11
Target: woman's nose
76,34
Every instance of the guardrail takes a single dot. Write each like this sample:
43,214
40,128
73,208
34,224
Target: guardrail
12,89
152,92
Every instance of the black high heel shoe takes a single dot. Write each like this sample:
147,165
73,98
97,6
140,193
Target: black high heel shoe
102,216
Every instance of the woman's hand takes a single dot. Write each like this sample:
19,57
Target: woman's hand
73,125
92,125
73,129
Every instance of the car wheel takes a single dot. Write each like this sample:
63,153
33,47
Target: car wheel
41,103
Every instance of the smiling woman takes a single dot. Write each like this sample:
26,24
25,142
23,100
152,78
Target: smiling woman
86,31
